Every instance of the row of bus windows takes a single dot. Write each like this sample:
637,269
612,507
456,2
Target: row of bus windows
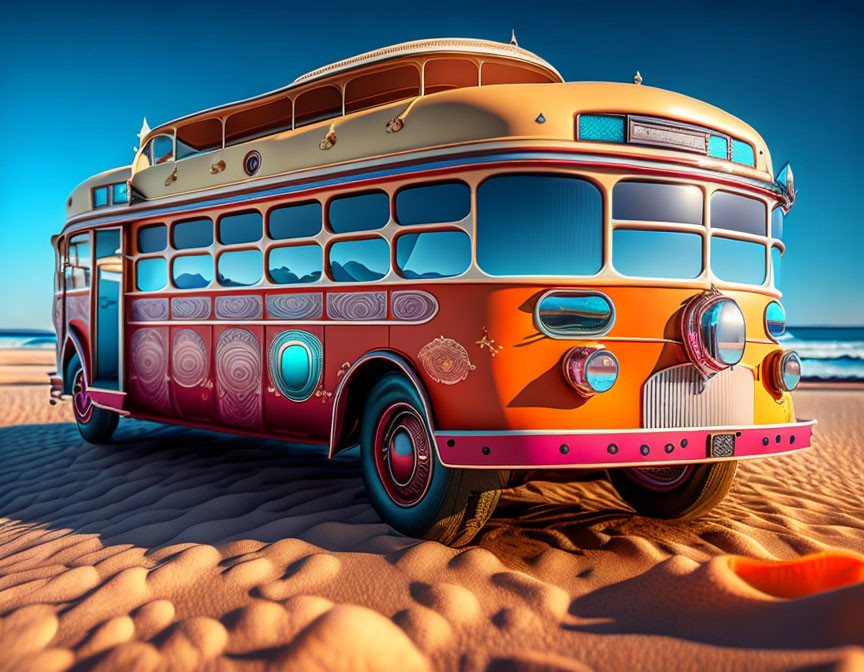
431,254
367,211
111,194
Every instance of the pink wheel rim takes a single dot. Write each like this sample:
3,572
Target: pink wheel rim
660,478
403,454
81,401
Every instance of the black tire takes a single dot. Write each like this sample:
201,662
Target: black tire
688,494
410,489
96,425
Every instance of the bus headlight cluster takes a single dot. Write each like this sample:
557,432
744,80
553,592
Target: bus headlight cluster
775,320
783,369
714,332
590,370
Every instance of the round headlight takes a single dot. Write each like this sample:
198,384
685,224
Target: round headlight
788,370
714,332
775,320
590,370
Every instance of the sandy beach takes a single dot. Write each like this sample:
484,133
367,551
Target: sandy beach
182,549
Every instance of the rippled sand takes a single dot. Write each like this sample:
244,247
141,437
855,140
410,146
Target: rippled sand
176,548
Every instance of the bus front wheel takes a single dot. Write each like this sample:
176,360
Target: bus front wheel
96,425
675,491
409,487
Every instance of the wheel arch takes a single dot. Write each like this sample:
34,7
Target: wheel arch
356,384
74,346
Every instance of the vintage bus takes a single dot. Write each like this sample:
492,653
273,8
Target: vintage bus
446,254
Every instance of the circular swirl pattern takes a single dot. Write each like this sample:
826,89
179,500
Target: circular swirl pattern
446,361
149,349
414,306
190,366
246,307
190,308
357,306
149,310
238,377
295,306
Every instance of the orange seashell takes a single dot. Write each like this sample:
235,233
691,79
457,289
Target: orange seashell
803,576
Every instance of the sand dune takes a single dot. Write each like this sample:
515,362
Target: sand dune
177,549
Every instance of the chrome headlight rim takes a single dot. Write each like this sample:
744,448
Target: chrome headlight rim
780,371
774,337
698,350
576,364
570,291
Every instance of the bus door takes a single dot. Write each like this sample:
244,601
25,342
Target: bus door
107,338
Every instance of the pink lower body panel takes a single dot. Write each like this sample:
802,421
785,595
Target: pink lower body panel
618,448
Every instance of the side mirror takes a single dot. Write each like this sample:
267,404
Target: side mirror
786,180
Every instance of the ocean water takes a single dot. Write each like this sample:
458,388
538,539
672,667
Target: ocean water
24,339
828,353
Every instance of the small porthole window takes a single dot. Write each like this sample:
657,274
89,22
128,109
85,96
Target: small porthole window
295,362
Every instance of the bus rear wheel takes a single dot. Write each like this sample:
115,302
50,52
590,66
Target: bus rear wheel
96,425
675,491
409,487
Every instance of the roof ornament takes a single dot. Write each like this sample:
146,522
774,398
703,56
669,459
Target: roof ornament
637,80
513,38
145,129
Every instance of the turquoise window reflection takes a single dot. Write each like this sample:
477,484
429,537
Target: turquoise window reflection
100,197
435,254
359,212
777,223
295,221
657,202
240,269
119,193
151,274
601,127
775,319
718,147
243,227
657,254
295,265
192,271
152,238
776,257
738,260
571,315
295,366
742,152
541,225
433,203
738,213
107,243
359,260
192,233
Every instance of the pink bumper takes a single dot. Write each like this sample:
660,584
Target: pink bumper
620,448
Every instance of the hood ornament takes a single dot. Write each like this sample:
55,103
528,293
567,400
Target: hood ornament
513,38
637,80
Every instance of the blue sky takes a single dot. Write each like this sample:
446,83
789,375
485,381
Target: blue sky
75,84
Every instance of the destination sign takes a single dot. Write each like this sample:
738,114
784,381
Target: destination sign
647,133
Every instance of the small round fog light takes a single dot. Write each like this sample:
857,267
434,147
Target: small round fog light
590,370
788,370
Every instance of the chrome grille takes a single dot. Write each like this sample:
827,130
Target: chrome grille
678,397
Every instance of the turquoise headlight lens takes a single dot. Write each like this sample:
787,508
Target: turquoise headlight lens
724,332
790,370
601,370
775,320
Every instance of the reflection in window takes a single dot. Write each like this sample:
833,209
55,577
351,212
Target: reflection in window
162,148
539,225
192,233
192,271
78,262
738,260
435,254
244,227
657,202
657,254
295,221
240,269
433,203
359,260
151,274
776,257
100,197
152,238
777,223
107,243
119,193
359,212
738,213
294,265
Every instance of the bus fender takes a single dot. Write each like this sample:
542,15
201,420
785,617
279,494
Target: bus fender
73,346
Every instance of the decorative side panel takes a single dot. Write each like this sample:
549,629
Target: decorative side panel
243,307
77,308
238,377
295,306
149,310
446,361
414,306
360,306
190,365
191,308
149,371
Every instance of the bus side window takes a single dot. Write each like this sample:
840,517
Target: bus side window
78,262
